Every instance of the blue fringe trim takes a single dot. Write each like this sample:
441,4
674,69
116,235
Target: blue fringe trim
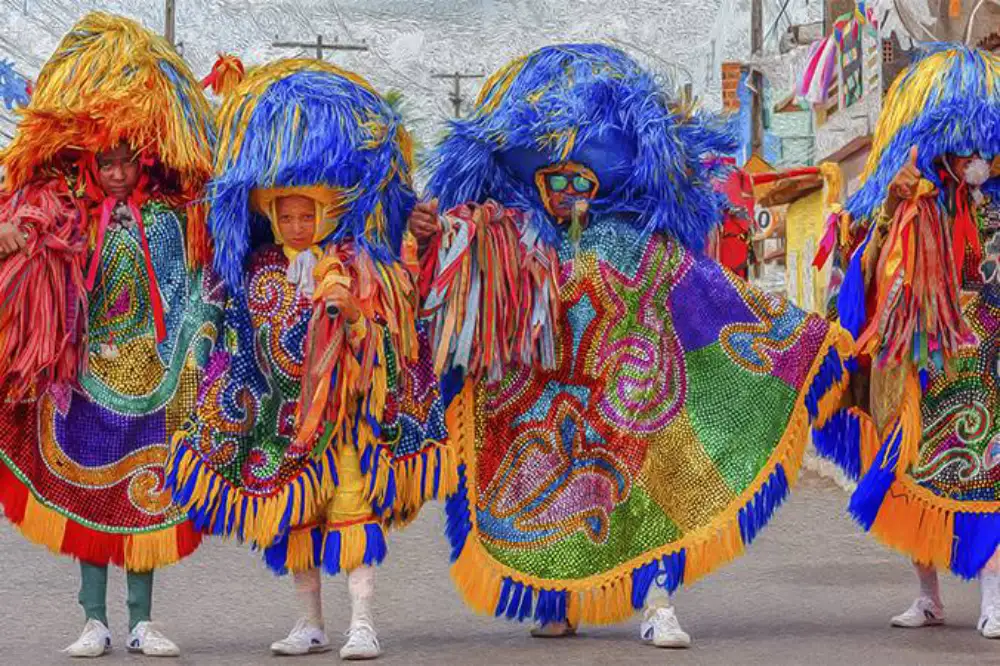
839,440
867,499
212,517
769,497
666,572
977,537
459,520
831,372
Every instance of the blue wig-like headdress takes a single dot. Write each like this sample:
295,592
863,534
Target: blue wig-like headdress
948,101
594,105
302,123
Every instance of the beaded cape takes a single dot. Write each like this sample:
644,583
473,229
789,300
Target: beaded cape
923,443
121,312
654,437
287,392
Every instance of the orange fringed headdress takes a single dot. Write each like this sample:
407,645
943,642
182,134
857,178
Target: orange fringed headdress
111,80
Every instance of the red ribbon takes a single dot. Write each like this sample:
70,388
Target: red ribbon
965,233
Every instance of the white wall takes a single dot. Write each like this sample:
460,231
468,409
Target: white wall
412,39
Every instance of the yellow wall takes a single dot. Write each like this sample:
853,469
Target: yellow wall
804,226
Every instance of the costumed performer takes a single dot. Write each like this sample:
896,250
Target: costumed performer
916,282
627,413
108,314
317,426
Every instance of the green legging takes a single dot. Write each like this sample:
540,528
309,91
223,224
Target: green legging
94,593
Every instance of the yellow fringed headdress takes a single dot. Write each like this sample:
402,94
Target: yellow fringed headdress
111,80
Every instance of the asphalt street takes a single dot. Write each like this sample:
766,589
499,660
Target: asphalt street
812,590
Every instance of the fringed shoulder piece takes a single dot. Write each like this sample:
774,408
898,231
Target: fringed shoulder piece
42,291
491,295
594,105
346,361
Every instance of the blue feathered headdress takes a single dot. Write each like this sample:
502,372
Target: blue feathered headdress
305,123
948,101
594,105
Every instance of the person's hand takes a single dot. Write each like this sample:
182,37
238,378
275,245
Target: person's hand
345,302
423,223
12,239
904,185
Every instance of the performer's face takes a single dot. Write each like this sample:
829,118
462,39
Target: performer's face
296,221
563,186
118,171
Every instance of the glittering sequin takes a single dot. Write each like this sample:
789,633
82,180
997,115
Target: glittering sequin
664,406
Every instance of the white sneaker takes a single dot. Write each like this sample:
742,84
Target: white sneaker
924,612
95,641
989,624
305,638
147,639
661,628
553,630
362,643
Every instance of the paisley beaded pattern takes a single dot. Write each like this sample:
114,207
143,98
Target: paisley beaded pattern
244,427
674,384
96,453
959,456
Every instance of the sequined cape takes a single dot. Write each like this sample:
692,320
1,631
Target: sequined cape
238,470
934,496
671,427
83,466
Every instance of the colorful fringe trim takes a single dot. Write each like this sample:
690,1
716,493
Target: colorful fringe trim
421,477
47,527
332,548
491,587
397,488
932,530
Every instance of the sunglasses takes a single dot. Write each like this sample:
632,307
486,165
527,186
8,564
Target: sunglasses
558,182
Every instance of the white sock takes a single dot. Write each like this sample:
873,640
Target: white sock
929,586
990,583
657,598
310,590
361,586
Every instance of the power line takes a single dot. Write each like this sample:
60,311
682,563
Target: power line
774,26
320,46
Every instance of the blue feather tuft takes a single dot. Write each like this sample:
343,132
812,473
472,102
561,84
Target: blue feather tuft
961,115
310,125
591,104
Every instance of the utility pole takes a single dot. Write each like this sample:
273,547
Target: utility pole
756,78
456,93
169,16
320,46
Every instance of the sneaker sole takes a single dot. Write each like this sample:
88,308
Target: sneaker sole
928,623
173,655
88,656
360,657
312,650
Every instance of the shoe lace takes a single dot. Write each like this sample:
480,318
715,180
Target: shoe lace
147,631
362,633
301,626
666,619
